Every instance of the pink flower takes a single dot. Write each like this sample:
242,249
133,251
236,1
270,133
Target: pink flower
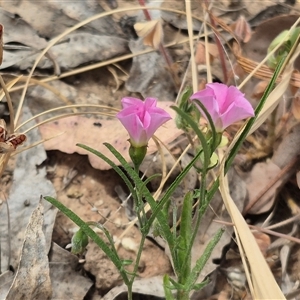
141,119
225,105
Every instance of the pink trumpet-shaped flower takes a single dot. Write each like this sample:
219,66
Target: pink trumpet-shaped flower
225,105
141,119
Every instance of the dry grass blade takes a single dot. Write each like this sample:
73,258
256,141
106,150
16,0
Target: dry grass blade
112,114
260,278
190,31
261,64
276,94
70,30
264,72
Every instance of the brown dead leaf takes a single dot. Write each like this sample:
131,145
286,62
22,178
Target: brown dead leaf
298,179
242,29
51,18
144,286
1,43
94,132
259,179
32,280
151,32
259,89
296,106
29,182
67,282
263,241
200,53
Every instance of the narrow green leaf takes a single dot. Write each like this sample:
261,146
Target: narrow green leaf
114,166
211,125
184,238
168,288
79,242
92,234
201,285
127,262
248,126
198,132
203,260
258,109
146,193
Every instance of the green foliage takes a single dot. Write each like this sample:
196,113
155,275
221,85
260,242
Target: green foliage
179,242
186,106
184,237
109,251
79,242
285,48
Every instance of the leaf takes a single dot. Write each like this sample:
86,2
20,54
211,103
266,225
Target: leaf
28,183
167,288
151,32
91,233
184,238
296,106
242,29
148,69
201,262
1,43
33,278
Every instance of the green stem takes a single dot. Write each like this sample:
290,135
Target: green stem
129,292
203,203
136,265
183,295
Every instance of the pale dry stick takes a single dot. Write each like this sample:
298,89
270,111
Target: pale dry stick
5,157
102,64
255,264
224,189
9,103
59,117
36,144
72,106
190,32
266,230
68,31
5,89
208,68
10,88
165,176
50,88
8,235
268,56
283,223
197,38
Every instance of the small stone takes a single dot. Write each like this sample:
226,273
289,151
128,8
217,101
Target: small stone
129,244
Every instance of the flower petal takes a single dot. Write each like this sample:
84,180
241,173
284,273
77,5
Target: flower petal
206,97
141,119
220,91
226,105
238,110
130,101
